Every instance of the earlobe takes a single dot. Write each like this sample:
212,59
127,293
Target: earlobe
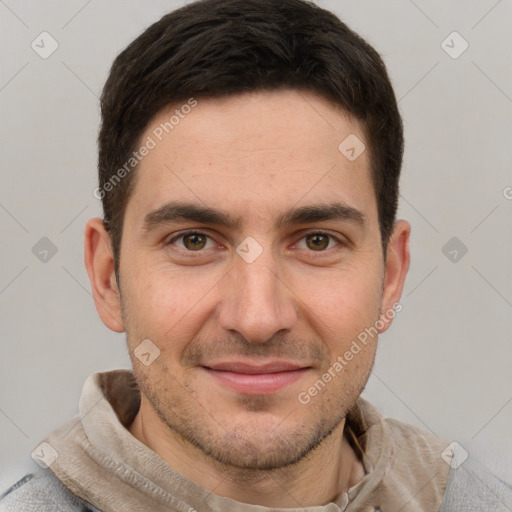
99,262
397,265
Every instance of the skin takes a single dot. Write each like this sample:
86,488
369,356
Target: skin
254,156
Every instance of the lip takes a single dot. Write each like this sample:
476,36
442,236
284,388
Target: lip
253,379
254,369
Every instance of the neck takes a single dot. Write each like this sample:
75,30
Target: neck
332,468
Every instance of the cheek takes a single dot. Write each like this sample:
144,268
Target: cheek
164,305
342,300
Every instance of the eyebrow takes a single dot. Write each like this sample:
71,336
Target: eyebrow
180,211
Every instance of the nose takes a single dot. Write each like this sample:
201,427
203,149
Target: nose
257,302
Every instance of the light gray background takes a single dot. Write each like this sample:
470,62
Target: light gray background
445,364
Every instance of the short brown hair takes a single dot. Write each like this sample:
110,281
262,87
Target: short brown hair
214,48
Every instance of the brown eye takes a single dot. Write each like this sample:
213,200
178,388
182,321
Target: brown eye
320,242
194,241
317,241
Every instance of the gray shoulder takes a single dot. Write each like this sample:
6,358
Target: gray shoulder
472,487
41,491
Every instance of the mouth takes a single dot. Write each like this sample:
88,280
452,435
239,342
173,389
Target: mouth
251,379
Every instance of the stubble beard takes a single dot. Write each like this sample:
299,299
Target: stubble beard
244,449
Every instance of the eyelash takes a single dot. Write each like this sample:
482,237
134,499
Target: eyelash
199,252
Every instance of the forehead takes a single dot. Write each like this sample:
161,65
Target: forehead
255,154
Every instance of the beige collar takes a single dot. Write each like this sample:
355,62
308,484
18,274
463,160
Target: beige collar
101,462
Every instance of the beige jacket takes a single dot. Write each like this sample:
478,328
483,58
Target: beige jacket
102,463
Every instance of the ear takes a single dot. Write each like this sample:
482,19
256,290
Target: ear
397,265
99,262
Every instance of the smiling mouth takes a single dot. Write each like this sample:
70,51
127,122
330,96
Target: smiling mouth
253,379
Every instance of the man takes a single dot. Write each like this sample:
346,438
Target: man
249,159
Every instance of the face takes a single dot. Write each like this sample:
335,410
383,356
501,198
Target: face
251,305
